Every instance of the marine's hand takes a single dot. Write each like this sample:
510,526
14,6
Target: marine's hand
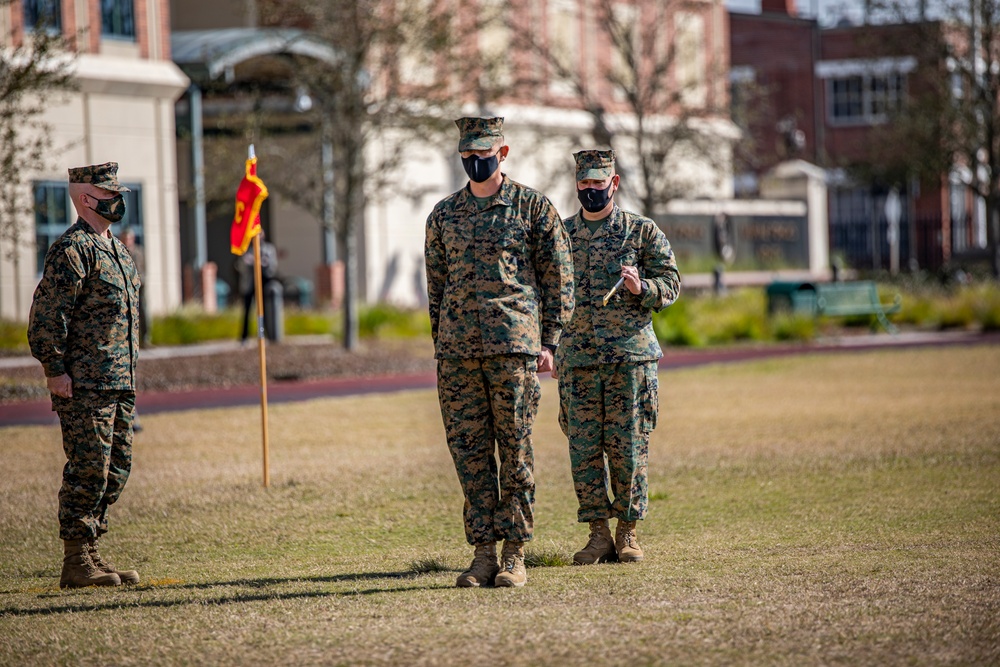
632,281
61,385
545,360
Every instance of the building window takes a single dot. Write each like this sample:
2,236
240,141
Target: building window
52,217
43,14
865,98
54,214
118,18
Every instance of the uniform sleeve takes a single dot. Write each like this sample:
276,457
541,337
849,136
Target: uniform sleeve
660,269
437,271
553,273
52,306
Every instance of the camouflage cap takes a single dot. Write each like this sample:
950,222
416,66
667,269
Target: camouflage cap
479,134
104,176
596,165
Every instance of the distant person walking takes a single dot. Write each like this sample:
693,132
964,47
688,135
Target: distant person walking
244,267
84,330
624,270
500,290
128,238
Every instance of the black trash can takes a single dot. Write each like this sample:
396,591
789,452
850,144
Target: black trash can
798,297
274,311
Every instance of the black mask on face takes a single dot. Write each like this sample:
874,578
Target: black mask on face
480,169
112,209
594,200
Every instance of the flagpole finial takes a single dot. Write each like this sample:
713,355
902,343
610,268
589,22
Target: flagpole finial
250,154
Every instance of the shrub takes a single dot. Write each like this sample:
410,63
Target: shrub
13,336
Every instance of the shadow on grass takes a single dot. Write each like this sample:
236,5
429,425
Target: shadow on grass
118,603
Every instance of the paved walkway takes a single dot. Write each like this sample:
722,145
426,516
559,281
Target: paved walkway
40,411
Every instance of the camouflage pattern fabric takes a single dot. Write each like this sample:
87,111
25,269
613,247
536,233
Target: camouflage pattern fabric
489,405
104,176
608,410
622,330
494,274
97,440
594,165
84,316
479,134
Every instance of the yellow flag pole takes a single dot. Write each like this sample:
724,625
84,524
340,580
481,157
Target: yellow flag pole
258,287
258,282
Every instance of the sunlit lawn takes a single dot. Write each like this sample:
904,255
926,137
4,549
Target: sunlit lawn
840,509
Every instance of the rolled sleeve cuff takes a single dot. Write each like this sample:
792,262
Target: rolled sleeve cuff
54,369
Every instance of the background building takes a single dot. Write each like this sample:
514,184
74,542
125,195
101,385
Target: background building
123,111
492,59
835,96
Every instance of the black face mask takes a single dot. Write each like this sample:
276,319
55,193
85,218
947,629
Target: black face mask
112,209
480,169
594,200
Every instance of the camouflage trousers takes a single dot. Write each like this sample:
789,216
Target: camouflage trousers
97,440
488,405
607,412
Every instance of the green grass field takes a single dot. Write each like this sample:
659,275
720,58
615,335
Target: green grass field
831,509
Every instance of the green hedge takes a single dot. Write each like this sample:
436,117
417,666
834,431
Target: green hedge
695,320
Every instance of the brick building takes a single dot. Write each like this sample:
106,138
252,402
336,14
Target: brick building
827,95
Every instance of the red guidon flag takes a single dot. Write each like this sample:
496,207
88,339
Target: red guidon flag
249,196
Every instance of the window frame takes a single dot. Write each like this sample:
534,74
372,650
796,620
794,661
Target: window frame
49,228
32,12
112,12
864,98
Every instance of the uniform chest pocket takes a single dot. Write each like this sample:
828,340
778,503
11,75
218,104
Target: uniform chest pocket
456,242
625,257
110,275
511,249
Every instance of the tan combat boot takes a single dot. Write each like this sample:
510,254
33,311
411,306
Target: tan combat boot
600,547
484,567
626,542
126,576
79,570
512,572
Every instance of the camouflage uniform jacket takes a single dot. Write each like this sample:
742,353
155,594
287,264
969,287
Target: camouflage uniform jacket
500,278
622,331
84,316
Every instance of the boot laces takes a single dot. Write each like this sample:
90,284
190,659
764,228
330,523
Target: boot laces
597,535
510,558
97,560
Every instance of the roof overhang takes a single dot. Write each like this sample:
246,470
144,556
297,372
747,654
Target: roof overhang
206,55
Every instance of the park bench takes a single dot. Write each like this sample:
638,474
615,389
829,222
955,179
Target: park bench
855,298
846,299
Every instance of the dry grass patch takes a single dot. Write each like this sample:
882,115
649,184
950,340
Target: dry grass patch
838,509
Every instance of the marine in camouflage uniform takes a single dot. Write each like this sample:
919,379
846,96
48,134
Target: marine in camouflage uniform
84,329
500,290
607,360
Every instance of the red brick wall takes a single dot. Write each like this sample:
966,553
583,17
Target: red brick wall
94,26
142,27
164,9
779,48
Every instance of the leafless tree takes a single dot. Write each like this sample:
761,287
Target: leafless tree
390,86
35,72
951,121
660,98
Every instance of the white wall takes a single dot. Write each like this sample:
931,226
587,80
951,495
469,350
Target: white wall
542,143
123,113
